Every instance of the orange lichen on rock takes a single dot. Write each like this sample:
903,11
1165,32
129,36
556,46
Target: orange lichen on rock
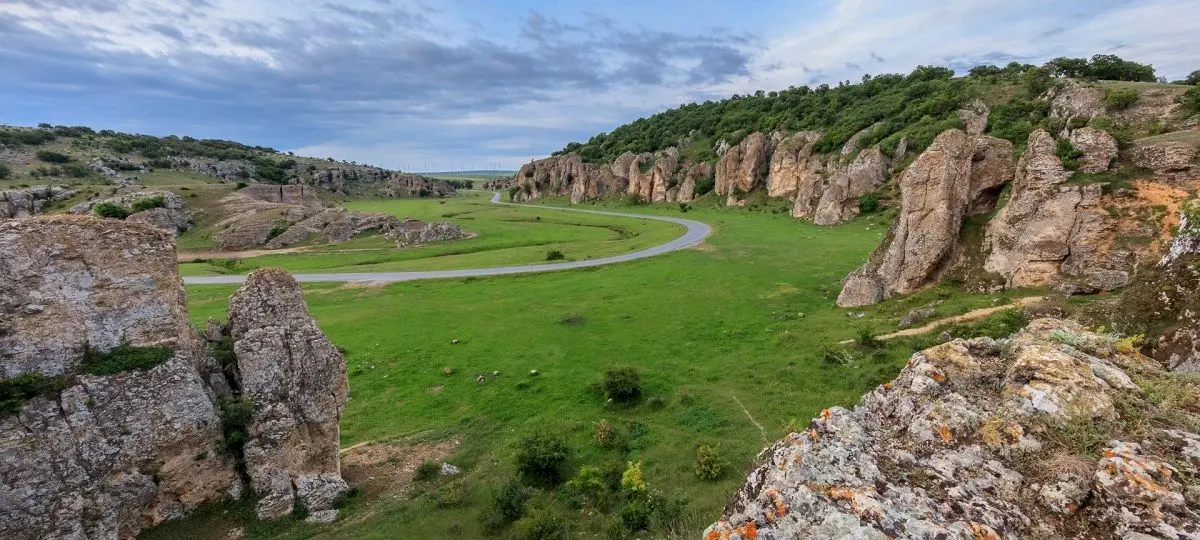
860,503
781,508
980,531
944,432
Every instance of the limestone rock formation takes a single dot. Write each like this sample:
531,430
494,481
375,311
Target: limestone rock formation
1048,228
974,117
171,216
110,454
962,445
71,282
743,167
1074,99
413,232
285,194
795,171
1098,147
1166,157
225,170
296,380
945,183
568,175
840,199
19,203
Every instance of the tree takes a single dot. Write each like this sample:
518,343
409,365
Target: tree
5,172
1114,68
1193,78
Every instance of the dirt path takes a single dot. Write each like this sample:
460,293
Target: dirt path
190,256
761,431
972,315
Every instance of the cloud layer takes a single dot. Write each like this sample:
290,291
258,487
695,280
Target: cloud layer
472,85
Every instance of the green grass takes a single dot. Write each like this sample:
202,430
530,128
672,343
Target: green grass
739,322
505,236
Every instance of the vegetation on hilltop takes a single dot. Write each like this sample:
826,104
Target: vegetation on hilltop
916,106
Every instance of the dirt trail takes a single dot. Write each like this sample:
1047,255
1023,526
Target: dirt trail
972,315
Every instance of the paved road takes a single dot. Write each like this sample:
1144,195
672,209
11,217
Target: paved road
696,233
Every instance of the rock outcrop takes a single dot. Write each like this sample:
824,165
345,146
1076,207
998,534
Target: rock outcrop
743,167
796,171
285,194
225,170
1051,233
840,199
170,216
660,177
105,453
19,203
956,175
966,443
974,117
1098,147
296,380
1166,157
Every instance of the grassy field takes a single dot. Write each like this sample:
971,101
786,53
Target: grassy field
734,337
504,236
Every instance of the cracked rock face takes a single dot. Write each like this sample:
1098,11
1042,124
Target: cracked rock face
1052,233
743,167
956,447
20,203
840,199
296,380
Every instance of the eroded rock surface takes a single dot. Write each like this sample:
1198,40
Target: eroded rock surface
960,445
1166,157
171,216
19,203
1098,147
743,167
840,199
795,170
296,380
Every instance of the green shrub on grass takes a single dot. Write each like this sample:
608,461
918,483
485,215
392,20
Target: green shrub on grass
636,516
5,172
540,524
542,456
124,358
50,156
622,383
427,471
508,502
1119,100
148,203
709,465
868,202
1068,154
110,210
555,255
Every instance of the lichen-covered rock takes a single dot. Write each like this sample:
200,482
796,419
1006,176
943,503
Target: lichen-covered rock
945,182
840,199
1050,232
1165,157
413,232
974,117
568,175
170,217
296,380
71,282
19,203
1098,147
794,167
743,167
956,447
225,170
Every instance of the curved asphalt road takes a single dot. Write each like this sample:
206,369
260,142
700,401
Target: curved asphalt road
696,233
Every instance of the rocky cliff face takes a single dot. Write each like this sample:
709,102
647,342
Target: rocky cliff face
19,203
660,177
968,442
1050,232
840,199
954,176
105,453
296,381
171,216
743,167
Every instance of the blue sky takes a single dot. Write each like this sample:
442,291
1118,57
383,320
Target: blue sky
438,85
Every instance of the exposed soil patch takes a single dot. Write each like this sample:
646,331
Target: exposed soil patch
378,468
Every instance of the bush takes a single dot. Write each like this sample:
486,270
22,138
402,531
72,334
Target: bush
1068,154
148,203
1190,100
868,202
542,457
1119,100
622,383
276,231
555,255
708,462
636,516
427,471
16,391
50,156
541,524
236,414
508,502
606,434
836,354
632,480
124,358
110,210
455,495
5,172
865,337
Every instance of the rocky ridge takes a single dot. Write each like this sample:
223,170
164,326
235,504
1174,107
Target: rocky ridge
967,443
104,454
20,203
171,216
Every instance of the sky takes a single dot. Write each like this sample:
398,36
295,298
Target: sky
431,85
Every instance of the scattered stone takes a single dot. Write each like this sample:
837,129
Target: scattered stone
322,516
449,470
534,373
454,342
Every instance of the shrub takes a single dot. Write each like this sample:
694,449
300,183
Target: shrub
1068,154
276,231
75,170
632,480
124,358
1191,100
16,391
656,403
622,383
455,495
239,185
541,524
865,337
148,203
836,354
542,457
606,434
636,516
708,462
868,202
50,156
110,210
5,172
555,255
427,471
508,502
236,414
1119,100
590,485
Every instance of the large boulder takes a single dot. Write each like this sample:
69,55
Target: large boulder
170,216
1098,147
1051,233
962,445
1165,157
937,190
840,199
19,203
974,117
111,454
743,167
296,381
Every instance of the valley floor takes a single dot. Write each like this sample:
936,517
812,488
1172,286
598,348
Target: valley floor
738,337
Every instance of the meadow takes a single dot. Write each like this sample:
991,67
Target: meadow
736,342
